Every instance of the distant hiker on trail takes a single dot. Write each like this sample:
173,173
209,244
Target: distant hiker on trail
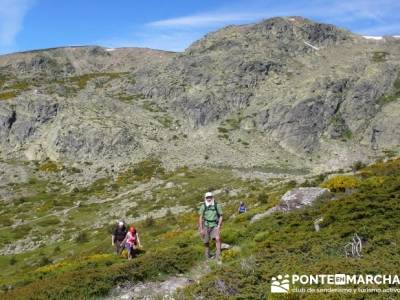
210,221
118,236
131,240
242,208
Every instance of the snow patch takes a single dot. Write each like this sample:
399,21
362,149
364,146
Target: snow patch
312,46
110,49
370,37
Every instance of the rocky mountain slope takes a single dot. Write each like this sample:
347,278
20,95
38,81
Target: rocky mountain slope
283,94
55,248
90,135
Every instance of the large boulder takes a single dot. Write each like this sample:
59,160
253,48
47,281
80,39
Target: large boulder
300,197
294,199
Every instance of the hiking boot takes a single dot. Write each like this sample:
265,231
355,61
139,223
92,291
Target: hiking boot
207,253
218,255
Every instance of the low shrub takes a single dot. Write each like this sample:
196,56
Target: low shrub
44,260
223,130
8,95
263,198
96,280
261,236
13,260
379,56
82,237
149,221
142,171
231,235
57,249
230,254
389,168
341,183
358,165
50,221
49,166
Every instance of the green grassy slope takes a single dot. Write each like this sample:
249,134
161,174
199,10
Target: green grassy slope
288,243
83,267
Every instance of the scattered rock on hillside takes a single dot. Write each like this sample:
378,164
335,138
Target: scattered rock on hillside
299,197
225,246
294,199
150,290
161,289
169,185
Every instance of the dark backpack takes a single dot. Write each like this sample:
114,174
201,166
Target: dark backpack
211,207
120,233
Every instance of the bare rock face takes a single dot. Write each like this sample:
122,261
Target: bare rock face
300,197
288,91
20,119
294,199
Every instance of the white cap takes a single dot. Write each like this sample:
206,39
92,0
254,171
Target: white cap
120,223
209,194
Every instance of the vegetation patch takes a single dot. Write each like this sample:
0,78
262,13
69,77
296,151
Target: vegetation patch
8,95
166,121
74,84
3,79
280,243
128,98
342,130
227,126
142,171
49,166
234,124
12,90
152,106
50,221
393,95
341,183
288,244
223,130
379,56
82,80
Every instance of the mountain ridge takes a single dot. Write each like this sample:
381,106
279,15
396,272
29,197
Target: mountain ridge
268,114
236,97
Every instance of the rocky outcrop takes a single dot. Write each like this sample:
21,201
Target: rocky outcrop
304,97
20,119
294,199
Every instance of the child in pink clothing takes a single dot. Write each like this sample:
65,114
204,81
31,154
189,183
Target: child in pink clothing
131,241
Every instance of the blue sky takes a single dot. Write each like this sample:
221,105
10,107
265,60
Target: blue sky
170,24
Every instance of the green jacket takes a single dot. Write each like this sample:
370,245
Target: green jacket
210,214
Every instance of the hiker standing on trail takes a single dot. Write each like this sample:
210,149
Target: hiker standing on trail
210,221
131,240
118,236
242,208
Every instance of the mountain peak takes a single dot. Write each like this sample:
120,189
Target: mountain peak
277,30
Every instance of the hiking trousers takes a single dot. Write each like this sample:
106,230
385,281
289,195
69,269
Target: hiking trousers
119,247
